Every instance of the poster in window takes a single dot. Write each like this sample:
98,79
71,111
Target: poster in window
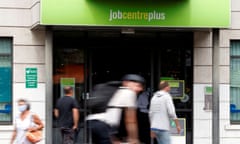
177,88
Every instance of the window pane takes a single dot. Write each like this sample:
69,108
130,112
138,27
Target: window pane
235,72
5,80
235,100
235,48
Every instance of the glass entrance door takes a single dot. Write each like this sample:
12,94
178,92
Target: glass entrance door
68,69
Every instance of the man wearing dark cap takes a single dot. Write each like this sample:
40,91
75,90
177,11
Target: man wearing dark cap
161,111
123,101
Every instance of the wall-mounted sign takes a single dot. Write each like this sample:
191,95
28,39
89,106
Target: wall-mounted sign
31,77
207,98
177,88
5,84
154,13
67,82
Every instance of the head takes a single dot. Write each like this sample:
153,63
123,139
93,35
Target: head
134,82
23,105
68,90
164,85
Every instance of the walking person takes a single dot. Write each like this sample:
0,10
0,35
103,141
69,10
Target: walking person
161,111
123,101
25,121
67,114
143,102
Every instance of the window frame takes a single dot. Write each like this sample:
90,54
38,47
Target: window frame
6,106
234,85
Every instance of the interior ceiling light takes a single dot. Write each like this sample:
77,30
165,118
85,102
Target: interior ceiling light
128,31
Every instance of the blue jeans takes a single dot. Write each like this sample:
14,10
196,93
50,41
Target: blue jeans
162,136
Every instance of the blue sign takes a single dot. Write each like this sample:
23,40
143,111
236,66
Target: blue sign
5,84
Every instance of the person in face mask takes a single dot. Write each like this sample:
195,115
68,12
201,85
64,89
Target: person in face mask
25,121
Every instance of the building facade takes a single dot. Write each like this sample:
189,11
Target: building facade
38,57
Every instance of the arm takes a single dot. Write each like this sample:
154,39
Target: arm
171,108
131,125
172,113
177,125
38,122
56,113
76,116
13,135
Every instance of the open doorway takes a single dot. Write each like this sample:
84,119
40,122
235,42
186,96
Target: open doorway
154,55
92,57
119,56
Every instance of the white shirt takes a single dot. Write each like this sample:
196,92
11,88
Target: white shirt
123,98
21,127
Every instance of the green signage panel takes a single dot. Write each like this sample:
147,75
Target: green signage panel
177,88
150,13
31,77
67,82
208,90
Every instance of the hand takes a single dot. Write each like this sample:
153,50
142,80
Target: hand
152,134
75,127
133,141
178,129
32,129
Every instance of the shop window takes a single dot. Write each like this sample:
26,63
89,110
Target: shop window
5,80
235,82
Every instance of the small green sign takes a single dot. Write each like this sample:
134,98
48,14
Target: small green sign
208,90
67,82
31,77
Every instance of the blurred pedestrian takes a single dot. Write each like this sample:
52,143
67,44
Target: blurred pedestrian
162,110
25,121
123,102
67,114
143,102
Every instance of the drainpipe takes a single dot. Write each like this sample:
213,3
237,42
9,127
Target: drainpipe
215,87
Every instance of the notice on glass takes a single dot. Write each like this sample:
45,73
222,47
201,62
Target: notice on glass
178,138
173,129
177,88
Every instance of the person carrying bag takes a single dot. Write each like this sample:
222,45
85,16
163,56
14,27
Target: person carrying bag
25,122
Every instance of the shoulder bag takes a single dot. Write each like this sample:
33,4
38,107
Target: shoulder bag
34,136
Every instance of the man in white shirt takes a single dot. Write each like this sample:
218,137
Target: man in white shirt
161,111
124,100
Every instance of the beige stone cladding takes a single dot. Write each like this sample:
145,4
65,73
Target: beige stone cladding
17,20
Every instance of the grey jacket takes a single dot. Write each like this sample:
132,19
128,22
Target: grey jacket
161,110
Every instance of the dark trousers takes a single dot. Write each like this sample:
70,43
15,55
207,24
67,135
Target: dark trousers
143,128
100,132
68,135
